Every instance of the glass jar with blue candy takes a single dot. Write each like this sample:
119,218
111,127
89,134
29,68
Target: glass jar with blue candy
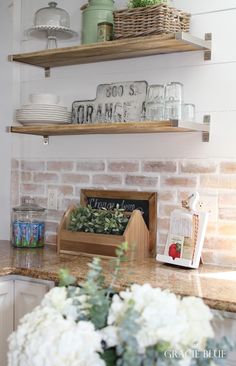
28,224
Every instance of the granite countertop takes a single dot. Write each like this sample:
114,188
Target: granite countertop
215,285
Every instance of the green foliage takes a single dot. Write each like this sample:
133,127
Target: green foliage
116,262
102,221
93,299
109,356
65,278
94,290
155,356
211,356
121,252
144,3
127,351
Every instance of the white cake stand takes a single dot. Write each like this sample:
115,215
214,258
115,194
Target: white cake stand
52,33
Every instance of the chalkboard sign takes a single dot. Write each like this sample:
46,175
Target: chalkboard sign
146,202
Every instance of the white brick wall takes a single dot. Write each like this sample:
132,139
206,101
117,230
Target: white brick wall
172,180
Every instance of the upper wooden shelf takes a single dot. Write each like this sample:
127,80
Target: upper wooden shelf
114,50
114,128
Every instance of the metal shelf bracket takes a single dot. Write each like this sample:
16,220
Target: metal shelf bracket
205,44
207,54
206,134
45,140
47,72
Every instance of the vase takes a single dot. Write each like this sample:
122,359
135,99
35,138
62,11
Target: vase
95,12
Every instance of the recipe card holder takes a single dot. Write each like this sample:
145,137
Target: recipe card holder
185,248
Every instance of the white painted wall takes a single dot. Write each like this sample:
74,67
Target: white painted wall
5,115
210,85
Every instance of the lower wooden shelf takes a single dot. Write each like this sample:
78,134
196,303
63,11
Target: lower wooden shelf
114,128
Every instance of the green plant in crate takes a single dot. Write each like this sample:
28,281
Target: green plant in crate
144,3
100,221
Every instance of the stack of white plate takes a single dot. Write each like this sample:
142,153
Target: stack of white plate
43,110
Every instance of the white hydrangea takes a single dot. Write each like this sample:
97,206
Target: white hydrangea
55,298
51,335
198,320
163,317
110,335
58,299
45,337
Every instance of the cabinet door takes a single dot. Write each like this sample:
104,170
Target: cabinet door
27,296
6,318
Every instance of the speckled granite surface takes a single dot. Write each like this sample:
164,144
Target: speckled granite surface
216,285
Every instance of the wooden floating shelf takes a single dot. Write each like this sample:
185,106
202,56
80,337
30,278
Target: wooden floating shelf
113,128
114,50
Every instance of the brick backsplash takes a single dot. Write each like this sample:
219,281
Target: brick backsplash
173,180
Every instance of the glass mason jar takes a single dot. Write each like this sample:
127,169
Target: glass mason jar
28,224
174,96
93,13
155,103
188,112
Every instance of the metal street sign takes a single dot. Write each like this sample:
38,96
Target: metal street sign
116,102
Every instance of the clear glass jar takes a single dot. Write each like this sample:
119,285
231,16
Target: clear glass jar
28,224
188,112
174,97
155,103
52,16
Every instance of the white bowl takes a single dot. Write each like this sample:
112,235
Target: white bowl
50,107
44,98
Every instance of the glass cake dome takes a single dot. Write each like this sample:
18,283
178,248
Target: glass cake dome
52,16
52,22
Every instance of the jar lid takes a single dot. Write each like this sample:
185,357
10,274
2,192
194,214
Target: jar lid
28,204
105,23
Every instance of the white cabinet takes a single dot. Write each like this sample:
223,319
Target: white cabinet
6,317
18,296
27,296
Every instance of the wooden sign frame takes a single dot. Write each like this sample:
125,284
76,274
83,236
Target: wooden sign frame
111,195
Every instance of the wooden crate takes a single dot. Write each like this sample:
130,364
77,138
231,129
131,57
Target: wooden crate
90,244
146,202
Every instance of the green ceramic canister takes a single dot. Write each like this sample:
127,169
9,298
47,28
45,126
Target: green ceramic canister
95,12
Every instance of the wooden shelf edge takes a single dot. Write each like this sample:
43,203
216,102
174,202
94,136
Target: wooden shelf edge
113,50
111,128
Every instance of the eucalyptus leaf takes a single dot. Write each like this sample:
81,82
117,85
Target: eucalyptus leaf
109,356
65,278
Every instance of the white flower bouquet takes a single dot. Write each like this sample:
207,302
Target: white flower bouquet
92,326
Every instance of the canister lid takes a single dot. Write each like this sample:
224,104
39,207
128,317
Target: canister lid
28,204
105,23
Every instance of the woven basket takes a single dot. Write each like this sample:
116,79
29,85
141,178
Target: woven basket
157,19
